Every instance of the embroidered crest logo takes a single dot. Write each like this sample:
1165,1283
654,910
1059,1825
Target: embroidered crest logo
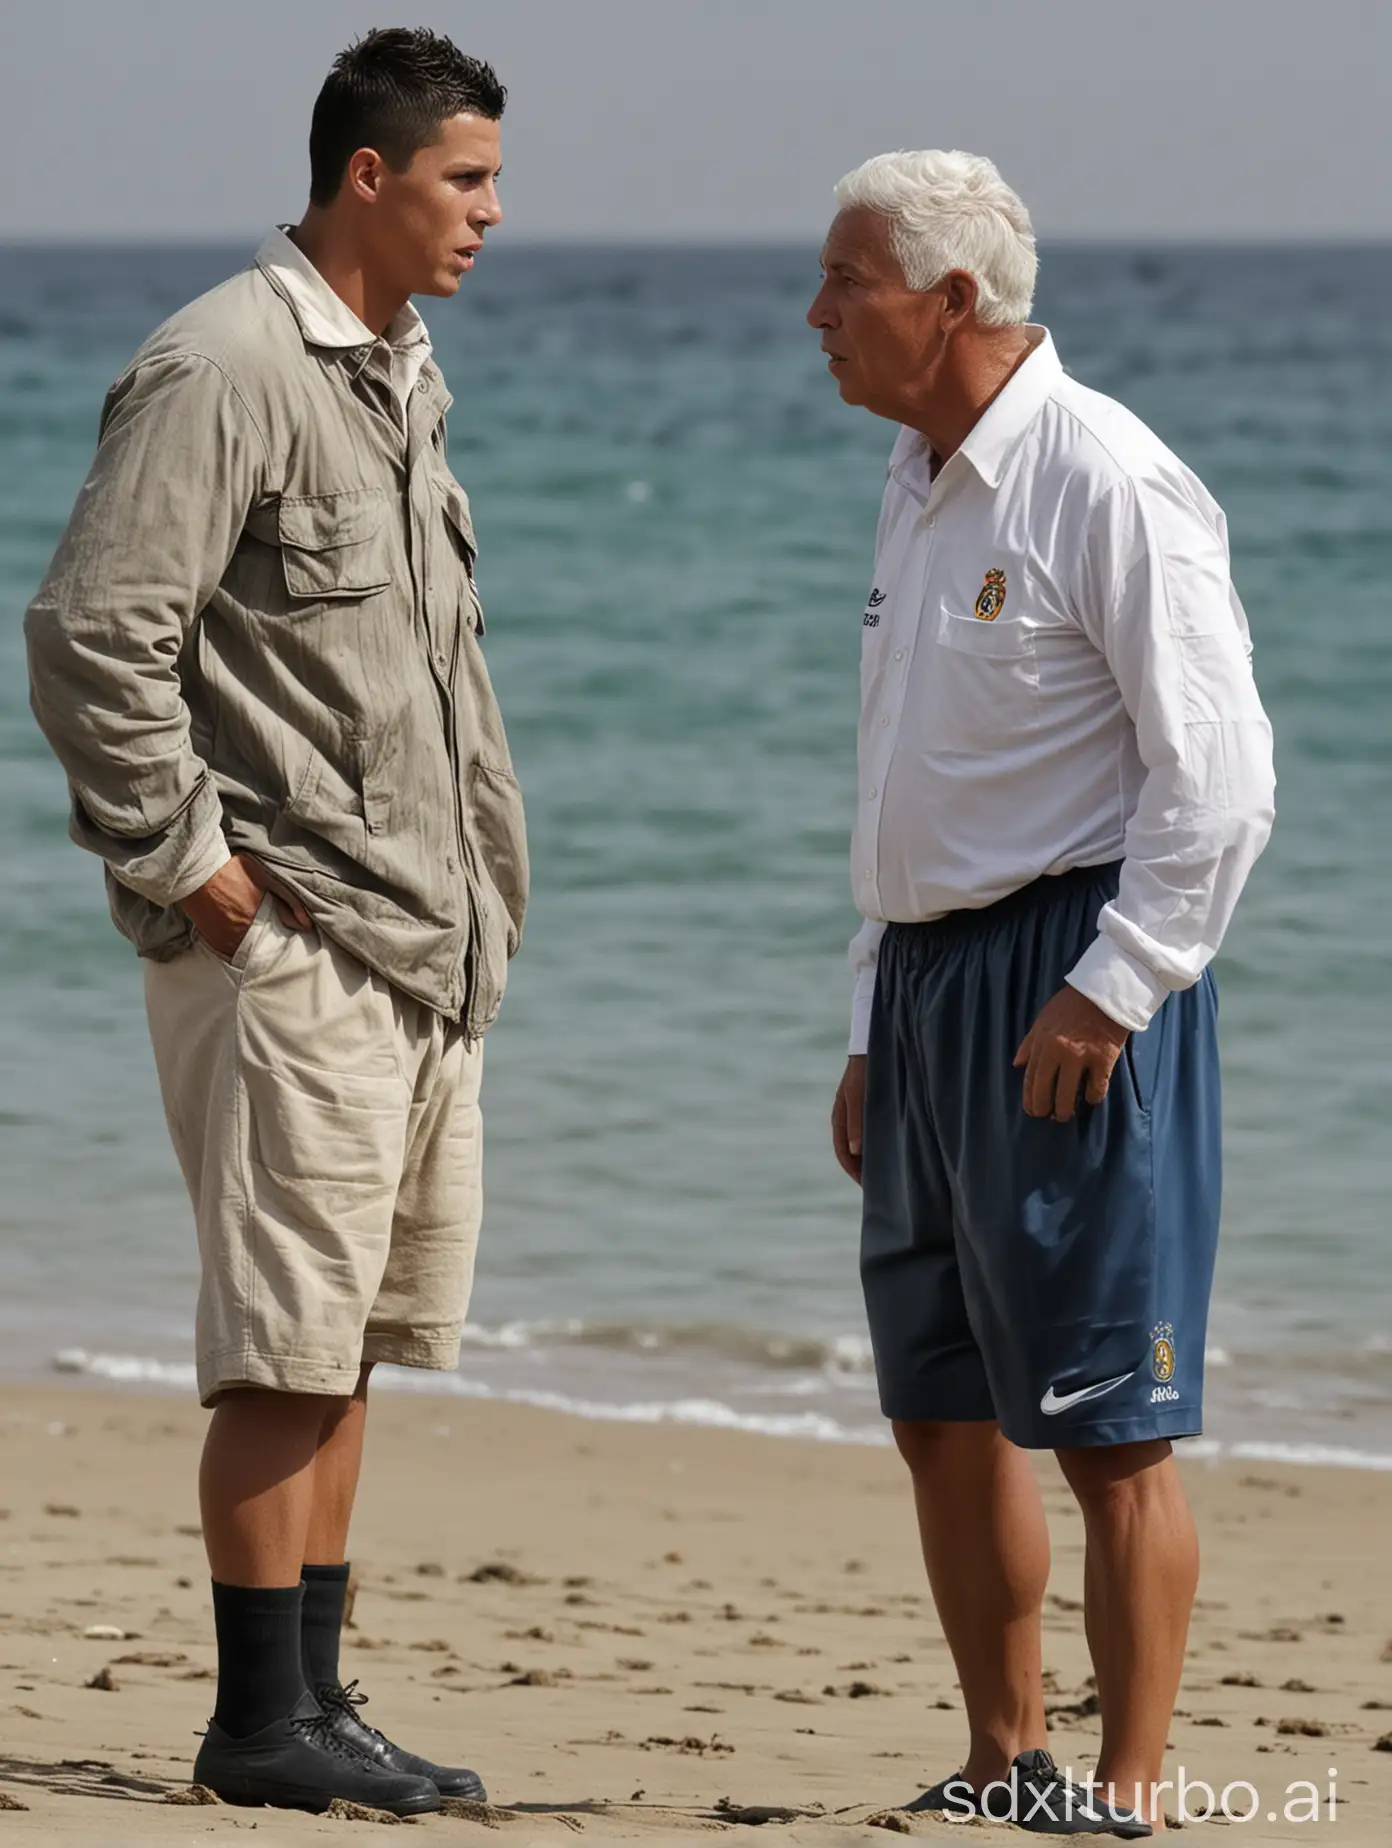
1162,1353
992,599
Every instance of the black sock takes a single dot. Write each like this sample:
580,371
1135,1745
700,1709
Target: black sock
321,1622
260,1674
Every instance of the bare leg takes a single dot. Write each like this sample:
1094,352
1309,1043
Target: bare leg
1094,1621
1142,1573
986,1548
336,1470
256,1484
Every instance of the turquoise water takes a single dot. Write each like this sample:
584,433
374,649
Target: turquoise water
676,515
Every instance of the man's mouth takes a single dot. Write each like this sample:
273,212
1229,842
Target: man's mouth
464,256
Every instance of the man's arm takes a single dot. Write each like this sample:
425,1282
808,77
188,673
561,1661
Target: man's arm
180,463
1154,594
848,1111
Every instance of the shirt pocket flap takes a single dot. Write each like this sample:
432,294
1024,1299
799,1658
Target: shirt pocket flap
334,545
456,505
457,513
1000,641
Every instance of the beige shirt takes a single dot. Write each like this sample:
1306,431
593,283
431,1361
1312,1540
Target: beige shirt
260,634
395,357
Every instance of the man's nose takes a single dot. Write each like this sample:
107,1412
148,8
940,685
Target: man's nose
490,208
817,315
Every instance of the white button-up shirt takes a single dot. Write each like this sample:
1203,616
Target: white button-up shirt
1055,673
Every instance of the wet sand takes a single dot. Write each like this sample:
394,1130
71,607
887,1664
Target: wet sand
644,1634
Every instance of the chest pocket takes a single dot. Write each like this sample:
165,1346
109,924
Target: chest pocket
984,685
460,529
334,546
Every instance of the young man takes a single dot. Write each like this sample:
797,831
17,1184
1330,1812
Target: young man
1065,777
257,655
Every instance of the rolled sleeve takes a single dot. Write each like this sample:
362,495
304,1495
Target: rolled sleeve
1155,595
1125,989
168,866
179,465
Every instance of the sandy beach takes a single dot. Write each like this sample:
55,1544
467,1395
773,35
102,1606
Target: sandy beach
643,1634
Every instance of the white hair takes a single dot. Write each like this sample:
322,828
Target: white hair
952,211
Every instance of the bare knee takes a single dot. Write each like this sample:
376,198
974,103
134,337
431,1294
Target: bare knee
1118,1475
933,1447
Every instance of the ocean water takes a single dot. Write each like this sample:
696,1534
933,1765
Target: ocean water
676,516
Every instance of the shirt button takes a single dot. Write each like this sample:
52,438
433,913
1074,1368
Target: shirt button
884,721
867,874
422,385
870,797
898,654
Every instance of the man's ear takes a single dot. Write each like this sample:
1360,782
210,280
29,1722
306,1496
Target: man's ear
959,297
365,173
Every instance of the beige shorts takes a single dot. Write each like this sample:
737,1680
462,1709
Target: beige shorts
328,1128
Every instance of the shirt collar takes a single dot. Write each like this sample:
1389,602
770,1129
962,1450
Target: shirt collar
991,439
325,318
1010,413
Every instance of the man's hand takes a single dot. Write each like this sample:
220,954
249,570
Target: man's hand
222,910
848,1116
1073,1042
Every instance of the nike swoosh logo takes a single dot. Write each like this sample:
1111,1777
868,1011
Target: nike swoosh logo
1053,1402
877,597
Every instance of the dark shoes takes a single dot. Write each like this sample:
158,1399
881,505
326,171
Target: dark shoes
1047,1803
1038,1798
303,1763
954,1798
341,1706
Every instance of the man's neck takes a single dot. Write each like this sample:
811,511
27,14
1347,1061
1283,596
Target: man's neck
317,238
970,381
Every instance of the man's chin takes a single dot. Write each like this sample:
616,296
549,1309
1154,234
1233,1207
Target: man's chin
444,283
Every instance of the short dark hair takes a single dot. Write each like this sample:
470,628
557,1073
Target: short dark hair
391,91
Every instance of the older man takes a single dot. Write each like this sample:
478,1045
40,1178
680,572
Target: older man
1065,778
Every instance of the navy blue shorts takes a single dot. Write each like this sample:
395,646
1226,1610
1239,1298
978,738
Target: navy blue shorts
1052,1276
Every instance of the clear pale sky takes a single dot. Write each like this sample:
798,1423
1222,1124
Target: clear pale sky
715,119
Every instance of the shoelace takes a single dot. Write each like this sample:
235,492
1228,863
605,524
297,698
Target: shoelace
318,1730
1060,1798
347,1700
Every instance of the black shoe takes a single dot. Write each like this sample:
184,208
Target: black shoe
954,1798
1047,1803
341,1705
302,1763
